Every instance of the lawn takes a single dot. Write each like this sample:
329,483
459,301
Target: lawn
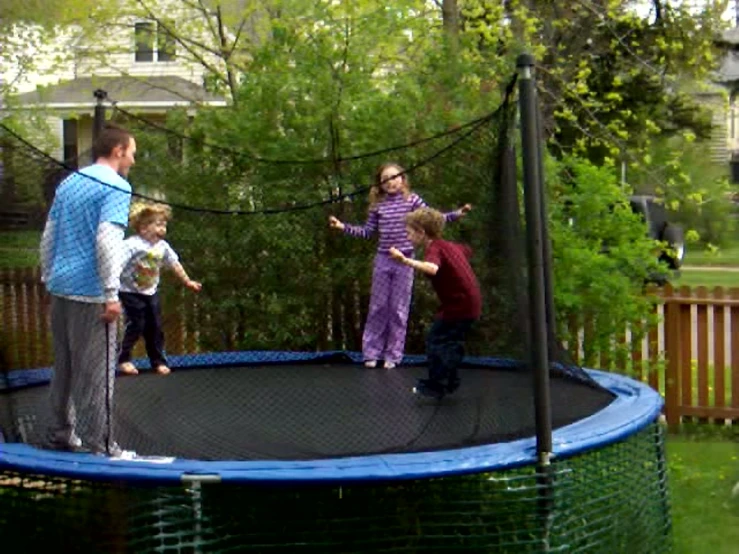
702,472
707,278
698,255
705,268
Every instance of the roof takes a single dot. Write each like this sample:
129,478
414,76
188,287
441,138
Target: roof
143,92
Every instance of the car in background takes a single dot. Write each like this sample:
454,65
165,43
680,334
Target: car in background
662,229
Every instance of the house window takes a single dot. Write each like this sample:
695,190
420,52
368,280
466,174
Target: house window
154,41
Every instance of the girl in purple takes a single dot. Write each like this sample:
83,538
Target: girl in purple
392,282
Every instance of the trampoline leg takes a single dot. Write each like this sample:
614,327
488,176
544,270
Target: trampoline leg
194,485
196,493
545,501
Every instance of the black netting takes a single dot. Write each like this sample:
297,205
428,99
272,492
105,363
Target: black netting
275,277
608,501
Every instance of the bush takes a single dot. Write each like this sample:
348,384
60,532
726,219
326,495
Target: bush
602,258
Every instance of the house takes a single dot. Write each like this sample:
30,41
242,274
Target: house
728,77
70,104
713,97
137,63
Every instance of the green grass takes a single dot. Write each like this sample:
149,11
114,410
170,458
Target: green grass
711,381
707,278
698,255
702,472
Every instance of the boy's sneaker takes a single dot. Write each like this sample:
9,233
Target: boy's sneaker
429,389
390,365
371,364
67,447
74,445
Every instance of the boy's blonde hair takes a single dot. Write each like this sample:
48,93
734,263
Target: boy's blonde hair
143,213
428,220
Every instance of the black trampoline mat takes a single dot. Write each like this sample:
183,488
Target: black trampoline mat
298,412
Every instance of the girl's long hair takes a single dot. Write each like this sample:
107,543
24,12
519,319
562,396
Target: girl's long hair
377,194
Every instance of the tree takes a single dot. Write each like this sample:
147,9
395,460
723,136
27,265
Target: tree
217,36
332,81
42,13
608,78
27,26
312,85
353,83
616,86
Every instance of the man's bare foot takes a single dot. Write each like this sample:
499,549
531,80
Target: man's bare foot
128,368
163,370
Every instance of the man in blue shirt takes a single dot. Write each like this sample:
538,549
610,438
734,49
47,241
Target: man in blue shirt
81,266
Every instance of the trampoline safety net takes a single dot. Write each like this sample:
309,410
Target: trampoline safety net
243,338
275,277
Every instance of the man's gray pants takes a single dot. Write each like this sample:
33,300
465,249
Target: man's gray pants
81,393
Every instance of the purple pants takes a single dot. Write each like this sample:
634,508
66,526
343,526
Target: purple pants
390,301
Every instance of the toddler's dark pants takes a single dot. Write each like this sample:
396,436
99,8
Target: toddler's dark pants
143,317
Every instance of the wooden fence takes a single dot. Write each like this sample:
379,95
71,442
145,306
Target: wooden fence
691,357
25,335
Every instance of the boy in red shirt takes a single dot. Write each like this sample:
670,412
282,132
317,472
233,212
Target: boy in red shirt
447,265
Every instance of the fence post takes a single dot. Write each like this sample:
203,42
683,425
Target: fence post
734,322
672,353
701,354
719,350
685,306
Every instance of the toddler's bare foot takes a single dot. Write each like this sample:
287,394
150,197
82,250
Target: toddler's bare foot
128,368
163,370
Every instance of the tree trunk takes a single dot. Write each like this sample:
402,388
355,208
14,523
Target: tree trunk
450,21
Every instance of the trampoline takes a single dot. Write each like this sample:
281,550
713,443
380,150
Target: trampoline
270,436
302,406
304,459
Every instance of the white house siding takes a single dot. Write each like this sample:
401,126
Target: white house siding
720,139
116,45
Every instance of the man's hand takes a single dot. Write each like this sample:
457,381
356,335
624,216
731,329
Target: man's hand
396,254
112,311
334,223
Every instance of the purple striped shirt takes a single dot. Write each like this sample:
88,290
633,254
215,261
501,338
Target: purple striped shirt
388,220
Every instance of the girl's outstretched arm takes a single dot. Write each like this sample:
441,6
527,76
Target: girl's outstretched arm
360,231
334,223
418,202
